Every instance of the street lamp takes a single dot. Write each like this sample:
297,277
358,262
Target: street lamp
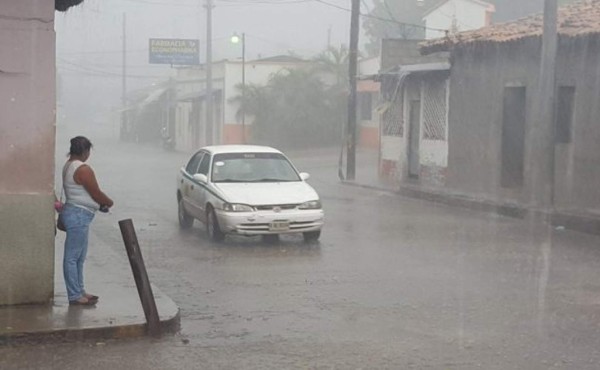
236,39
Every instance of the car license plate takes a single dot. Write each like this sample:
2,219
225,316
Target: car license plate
279,226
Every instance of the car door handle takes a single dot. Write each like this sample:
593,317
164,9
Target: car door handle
192,187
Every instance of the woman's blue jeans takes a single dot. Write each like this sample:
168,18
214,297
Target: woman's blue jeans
77,222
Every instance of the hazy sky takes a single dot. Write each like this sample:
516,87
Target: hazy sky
89,38
272,26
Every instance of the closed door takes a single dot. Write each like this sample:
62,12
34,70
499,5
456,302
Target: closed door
414,136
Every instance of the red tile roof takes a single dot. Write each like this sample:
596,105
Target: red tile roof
578,19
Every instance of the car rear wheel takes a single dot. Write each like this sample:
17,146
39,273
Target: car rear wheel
212,226
185,221
311,236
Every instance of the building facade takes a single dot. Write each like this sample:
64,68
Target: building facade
190,102
27,143
496,138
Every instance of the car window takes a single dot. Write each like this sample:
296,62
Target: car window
192,165
204,165
253,167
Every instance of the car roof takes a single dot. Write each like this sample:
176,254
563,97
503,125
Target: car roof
219,149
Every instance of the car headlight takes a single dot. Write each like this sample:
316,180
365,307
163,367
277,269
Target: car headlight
234,207
313,204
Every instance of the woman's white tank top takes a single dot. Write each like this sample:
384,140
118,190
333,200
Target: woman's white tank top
76,194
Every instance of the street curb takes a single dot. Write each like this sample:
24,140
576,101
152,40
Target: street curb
167,326
576,222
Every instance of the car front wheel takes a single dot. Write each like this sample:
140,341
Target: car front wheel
311,236
185,221
212,226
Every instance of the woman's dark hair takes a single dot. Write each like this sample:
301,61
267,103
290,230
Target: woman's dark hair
80,145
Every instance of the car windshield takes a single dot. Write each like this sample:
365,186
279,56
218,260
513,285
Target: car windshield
253,167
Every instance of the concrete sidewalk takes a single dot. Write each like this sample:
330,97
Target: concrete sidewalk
118,314
367,177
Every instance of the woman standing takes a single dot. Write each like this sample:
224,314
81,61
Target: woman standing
83,199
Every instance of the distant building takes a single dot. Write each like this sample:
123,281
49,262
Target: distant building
189,127
452,16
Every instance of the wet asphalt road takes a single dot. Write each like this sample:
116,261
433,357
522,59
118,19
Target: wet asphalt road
394,283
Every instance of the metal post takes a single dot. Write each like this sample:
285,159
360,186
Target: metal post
209,81
141,276
547,86
243,87
353,61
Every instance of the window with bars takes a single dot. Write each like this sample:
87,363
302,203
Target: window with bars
434,109
392,119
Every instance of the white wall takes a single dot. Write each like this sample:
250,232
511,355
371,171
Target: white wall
367,67
469,15
434,153
392,148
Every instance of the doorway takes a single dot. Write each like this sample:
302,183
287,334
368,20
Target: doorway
414,137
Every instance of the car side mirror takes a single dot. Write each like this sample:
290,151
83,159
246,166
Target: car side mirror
304,176
201,178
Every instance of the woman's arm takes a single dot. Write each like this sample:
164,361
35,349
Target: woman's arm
85,176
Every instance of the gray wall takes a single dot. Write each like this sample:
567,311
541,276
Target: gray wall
578,163
396,52
478,78
27,131
477,81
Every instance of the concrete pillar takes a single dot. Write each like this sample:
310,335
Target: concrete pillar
27,136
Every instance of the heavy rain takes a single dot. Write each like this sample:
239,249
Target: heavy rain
299,184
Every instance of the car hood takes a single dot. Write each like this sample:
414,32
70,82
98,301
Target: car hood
267,193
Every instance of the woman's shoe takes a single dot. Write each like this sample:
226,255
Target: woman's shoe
83,301
91,297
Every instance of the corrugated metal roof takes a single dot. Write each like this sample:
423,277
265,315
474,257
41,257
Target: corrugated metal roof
578,19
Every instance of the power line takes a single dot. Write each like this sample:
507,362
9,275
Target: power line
380,18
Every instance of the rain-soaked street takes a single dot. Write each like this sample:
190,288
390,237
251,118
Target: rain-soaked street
394,283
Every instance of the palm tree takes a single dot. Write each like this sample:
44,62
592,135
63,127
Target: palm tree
334,61
293,109
254,101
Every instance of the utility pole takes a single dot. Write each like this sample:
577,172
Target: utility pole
243,86
547,96
235,39
209,82
352,71
124,128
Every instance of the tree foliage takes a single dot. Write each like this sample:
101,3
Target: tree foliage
294,109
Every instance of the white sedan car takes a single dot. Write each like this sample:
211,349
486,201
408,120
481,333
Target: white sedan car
247,190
